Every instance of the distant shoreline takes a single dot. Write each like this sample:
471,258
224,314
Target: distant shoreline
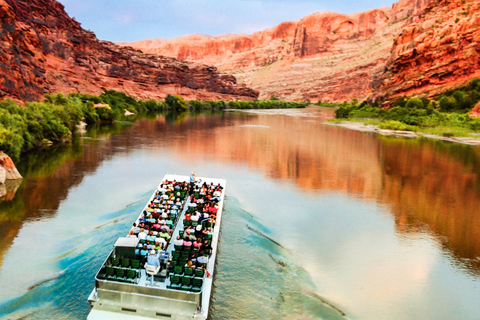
359,126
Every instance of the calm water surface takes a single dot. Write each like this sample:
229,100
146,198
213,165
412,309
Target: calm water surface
318,220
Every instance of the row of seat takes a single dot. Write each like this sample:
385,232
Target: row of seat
185,283
120,274
124,262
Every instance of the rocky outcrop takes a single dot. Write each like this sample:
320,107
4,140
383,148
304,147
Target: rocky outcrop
8,171
43,50
441,50
325,56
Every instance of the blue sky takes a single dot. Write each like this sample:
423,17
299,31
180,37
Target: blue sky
133,20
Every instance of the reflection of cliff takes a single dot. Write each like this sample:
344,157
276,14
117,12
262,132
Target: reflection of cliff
432,186
427,184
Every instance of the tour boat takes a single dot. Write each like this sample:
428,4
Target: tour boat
123,287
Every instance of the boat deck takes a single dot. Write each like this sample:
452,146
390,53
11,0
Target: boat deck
137,295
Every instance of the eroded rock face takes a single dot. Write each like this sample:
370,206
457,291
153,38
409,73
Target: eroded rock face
325,56
440,50
43,50
8,171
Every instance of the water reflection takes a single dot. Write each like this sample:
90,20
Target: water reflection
381,205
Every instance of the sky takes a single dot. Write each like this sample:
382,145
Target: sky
125,21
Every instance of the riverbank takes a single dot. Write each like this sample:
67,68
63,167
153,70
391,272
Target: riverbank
368,127
58,117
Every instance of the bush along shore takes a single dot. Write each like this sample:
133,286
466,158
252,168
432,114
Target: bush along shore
447,115
53,120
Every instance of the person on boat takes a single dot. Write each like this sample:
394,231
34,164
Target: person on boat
178,241
150,237
195,216
207,247
187,244
188,235
189,264
142,235
149,245
161,240
144,251
198,243
203,258
159,246
135,229
164,234
131,234
152,258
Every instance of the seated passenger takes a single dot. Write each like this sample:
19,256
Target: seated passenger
165,227
161,240
206,247
198,244
189,264
148,244
142,235
152,259
144,251
178,241
202,258
159,246
164,234
150,237
195,217
135,229
131,235
189,236
187,244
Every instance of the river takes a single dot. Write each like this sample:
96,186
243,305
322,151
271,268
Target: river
320,222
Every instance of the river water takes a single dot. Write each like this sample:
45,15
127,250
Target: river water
320,222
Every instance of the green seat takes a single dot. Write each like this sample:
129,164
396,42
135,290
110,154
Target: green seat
180,233
191,209
196,195
175,282
197,284
188,272
186,284
178,270
182,261
178,247
143,241
126,263
131,275
208,237
182,193
110,273
199,272
120,274
185,254
176,254
135,264
194,223
116,262
186,222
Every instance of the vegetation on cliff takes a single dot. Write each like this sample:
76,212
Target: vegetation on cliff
448,113
55,118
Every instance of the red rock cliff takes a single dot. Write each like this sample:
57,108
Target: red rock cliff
441,50
326,56
43,50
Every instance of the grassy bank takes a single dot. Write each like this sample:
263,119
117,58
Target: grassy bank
446,115
23,128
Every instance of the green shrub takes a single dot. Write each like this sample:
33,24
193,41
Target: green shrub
396,125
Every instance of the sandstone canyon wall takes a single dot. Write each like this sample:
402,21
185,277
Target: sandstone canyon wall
334,57
43,50
439,51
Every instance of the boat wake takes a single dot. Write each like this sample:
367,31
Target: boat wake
257,277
